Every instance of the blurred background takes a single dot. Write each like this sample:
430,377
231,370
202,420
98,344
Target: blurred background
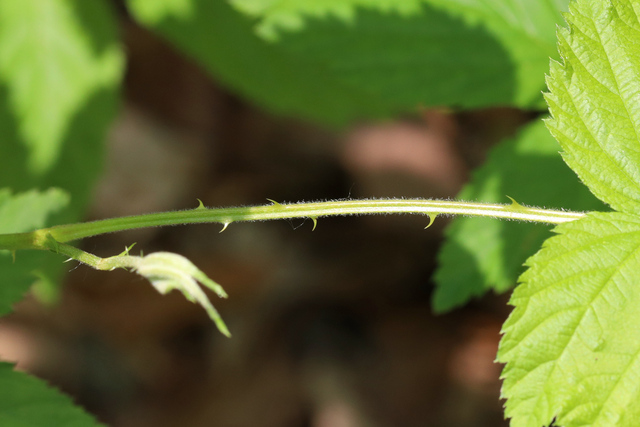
331,328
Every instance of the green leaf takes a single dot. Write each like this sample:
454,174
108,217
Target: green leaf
52,67
223,41
467,53
536,19
88,68
153,12
28,211
25,212
27,401
57,96
526,30
337,62
571,345
482,254
594,99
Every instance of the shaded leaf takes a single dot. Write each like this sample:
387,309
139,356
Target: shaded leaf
481,254
223,41
428,58
343,61
466,53
27,401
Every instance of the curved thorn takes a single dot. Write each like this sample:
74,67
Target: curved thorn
315,222
432,218
127,249
514,203
224,226
200,204
274,202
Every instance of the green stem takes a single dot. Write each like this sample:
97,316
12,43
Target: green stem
104,264
65,233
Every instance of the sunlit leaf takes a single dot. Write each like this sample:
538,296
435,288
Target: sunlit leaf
594,99
51,69
571,345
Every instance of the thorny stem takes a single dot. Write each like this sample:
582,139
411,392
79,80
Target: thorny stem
167,271
41,239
